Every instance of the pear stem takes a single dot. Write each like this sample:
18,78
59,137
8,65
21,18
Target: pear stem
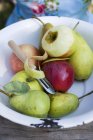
85,95
2,91
39,20
76,25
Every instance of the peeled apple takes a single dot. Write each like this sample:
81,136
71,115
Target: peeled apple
59,41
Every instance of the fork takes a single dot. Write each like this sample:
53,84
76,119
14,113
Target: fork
43,82
46,85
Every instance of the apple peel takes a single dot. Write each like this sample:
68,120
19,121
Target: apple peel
31,70
55,59
40,58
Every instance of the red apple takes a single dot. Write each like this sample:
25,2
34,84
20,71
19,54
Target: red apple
60,74
16,64
29,50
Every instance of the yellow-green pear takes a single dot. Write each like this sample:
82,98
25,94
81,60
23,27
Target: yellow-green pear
34,103
62,104
45,28
24,100
23,77
82,59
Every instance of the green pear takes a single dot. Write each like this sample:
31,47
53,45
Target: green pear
62,104
45,28
23,77
24,100
82,59
33,103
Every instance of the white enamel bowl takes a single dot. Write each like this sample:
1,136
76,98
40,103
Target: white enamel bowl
29,31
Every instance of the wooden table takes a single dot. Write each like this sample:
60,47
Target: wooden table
12,131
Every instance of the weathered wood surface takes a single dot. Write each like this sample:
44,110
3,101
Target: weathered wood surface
12,131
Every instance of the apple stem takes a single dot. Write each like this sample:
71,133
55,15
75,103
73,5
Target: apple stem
85,95
39,20
2,91
76,25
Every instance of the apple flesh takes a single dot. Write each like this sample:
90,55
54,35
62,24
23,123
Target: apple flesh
59,41
60,74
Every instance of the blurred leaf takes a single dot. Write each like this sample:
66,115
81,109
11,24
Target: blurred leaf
86,1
